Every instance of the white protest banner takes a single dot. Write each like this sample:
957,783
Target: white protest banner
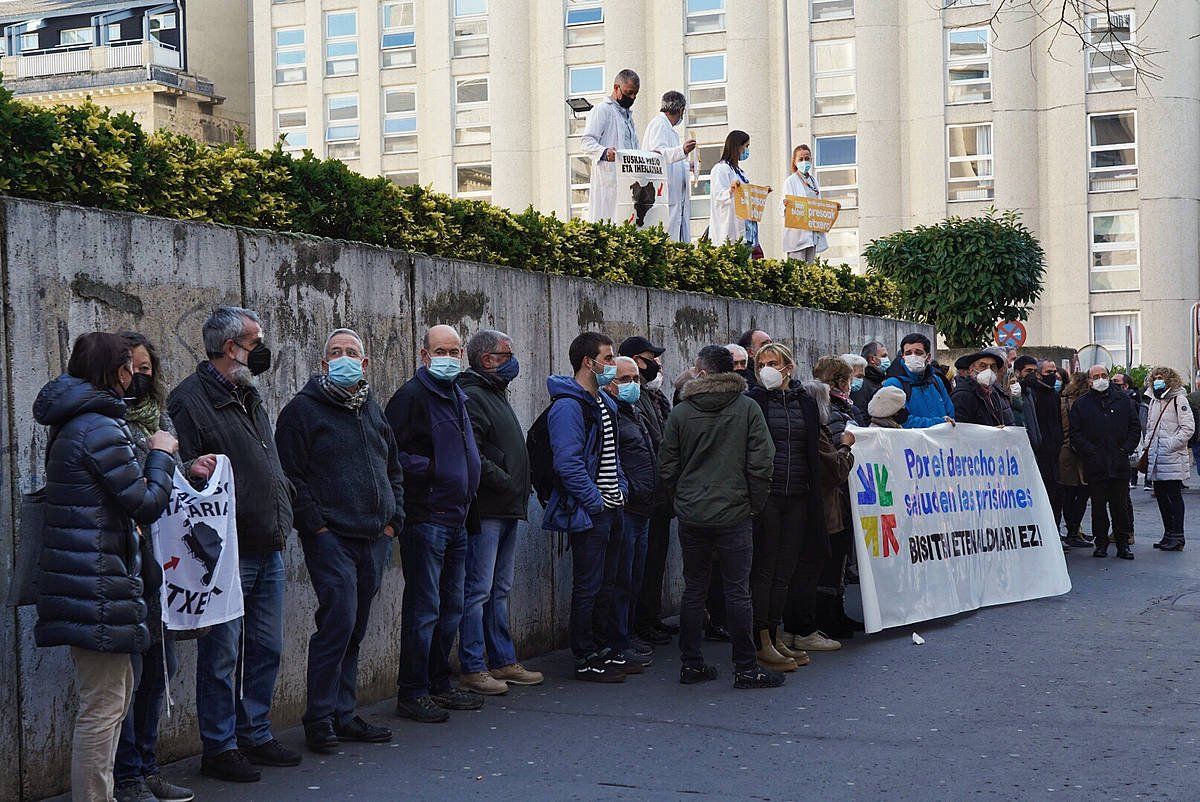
642,195
195,542
949,519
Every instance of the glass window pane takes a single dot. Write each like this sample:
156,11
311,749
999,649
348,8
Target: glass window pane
474,177
1115,281
404,178
706,94
585,80
716,115
584,16
343,23
399,58
1112,129
296,118
581,170
702,69
286,37
832,9
464,8
968,42
831,56
397,15
1113,158
835,84
1114,228
970,140
400,100
405,39
835,150
473,90
336,49
289,58
694,6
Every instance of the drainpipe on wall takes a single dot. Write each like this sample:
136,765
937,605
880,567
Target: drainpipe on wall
787,77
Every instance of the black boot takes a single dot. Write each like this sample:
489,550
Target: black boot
1123,550
1101,548
830,617
1172,542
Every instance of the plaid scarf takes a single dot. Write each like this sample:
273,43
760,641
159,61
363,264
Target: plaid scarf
146,416
349,399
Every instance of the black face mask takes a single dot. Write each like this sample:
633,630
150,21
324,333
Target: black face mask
258,359
649,372
626,102
139,389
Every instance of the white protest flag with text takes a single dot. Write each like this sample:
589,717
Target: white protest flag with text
642,194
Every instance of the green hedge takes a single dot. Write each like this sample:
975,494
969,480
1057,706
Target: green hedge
90,156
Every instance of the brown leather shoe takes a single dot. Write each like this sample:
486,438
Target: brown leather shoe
483,683
517,674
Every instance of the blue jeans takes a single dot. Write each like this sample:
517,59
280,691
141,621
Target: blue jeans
227,722
594,557
491,560
434,561
139,732
637,531
345,575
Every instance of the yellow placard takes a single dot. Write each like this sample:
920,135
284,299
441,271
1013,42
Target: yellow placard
750,201
810,214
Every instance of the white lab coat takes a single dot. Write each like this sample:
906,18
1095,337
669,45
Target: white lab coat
724,225
608,126
795,239
661,137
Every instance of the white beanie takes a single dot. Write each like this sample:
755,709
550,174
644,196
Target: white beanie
887,402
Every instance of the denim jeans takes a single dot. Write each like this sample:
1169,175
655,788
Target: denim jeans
345,575
635,529
226,721
734,546
139,732
434,561
483,638
593,567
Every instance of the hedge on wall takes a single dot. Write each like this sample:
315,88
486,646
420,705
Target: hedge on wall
93,157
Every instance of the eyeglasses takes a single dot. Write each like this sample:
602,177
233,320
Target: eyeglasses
506,354
626,380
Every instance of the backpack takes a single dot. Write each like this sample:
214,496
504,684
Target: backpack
541,450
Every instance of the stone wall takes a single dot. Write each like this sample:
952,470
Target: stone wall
68,270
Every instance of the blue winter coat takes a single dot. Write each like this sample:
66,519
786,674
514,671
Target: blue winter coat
576,445
928,402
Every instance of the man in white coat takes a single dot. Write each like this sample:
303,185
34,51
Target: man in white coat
610,128
662,138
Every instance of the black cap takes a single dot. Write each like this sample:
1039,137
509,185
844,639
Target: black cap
632,346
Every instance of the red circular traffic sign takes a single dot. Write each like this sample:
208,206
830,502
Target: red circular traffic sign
1010,334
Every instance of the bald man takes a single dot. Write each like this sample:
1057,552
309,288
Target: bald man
441,476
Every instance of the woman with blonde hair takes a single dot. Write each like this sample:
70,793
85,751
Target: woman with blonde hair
802,182
1070,469
1170,425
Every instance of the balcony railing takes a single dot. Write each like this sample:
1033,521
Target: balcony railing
53,62
113,56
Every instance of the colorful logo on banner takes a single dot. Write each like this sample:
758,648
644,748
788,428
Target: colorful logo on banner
750,201
642,199
809,214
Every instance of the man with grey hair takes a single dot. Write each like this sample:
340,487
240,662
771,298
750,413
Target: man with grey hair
217,410
661,137
485,647
610,128
341,457
874,374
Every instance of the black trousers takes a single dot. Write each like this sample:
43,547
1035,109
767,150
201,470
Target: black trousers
1048,467
776,547
1169,495
1110,498
734,546
649,601
1074,505
832,579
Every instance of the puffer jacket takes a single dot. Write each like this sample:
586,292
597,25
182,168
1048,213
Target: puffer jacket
90,590
1166,449
841,412
792,420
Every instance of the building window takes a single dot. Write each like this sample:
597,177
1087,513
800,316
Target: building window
705,16
341,43
114,32
833,77
400,120
1112,151
29,41
1111,329
953,3
162,22
706,104
585,22
836,160
1115,252
472,122
473,181
843,247
968,65
580,169
292,125
404,178
398,35
470,28
584,81
707,157
1111,38
830,9
969,175
75,36
341,126
289,56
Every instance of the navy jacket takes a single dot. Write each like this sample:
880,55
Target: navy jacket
89,584
639,459
343,463
437,450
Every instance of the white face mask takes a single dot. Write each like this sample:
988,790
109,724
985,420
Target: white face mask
986,377
770,378
656,383
1014,389
1099,385
915,363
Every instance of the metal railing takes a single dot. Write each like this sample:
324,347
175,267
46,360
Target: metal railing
55,61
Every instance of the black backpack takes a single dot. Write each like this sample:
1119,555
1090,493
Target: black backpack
541,451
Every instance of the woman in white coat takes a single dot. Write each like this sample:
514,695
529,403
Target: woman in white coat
1169,426
802,182
724,225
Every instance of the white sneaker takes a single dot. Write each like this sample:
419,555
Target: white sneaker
816,642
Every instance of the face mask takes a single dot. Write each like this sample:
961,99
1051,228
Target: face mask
1100,385
745,155
856,384
629,393
986,377
915,363
770,378
650,371
1159,385
139,389
1057,385
606,375
445,368
626,102
804,166
258,360
509,370
656,383
346,371
885,363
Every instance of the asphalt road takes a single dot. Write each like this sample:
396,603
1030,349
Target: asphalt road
1090,696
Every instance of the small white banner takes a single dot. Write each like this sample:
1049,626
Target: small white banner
195,542
642,198
948,519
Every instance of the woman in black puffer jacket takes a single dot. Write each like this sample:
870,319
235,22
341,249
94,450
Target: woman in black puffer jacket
89,588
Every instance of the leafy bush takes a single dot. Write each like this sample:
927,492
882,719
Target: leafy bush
93,157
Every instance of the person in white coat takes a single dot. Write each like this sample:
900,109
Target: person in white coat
661,137
610,128
802,182
1170,424
724,225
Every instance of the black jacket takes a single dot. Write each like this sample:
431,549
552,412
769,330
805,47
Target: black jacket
343,464
972,404
1049,419
842,412
639,460
90,587
655,409
1104,430
504,479
211,420
872,380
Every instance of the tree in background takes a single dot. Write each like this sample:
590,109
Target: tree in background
963,274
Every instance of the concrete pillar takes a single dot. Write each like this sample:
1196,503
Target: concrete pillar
512,141
435,94
879,49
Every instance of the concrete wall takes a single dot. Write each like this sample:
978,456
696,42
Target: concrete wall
67,270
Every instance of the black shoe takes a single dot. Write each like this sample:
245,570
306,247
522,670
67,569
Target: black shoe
655,637
640,647
230,766
716,634
1078,542
853,623
690,675
458,699
1124,553
320,737
643,659
272,753
757,677
670,629
1066,547
593,668
629,662
359,730
617,661
1172,543
422,709
1101,551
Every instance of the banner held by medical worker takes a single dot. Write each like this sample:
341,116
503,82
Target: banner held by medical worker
195,542
810,214
750,201
642,199
948,519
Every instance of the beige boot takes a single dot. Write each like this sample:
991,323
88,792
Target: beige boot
798,656
769,657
